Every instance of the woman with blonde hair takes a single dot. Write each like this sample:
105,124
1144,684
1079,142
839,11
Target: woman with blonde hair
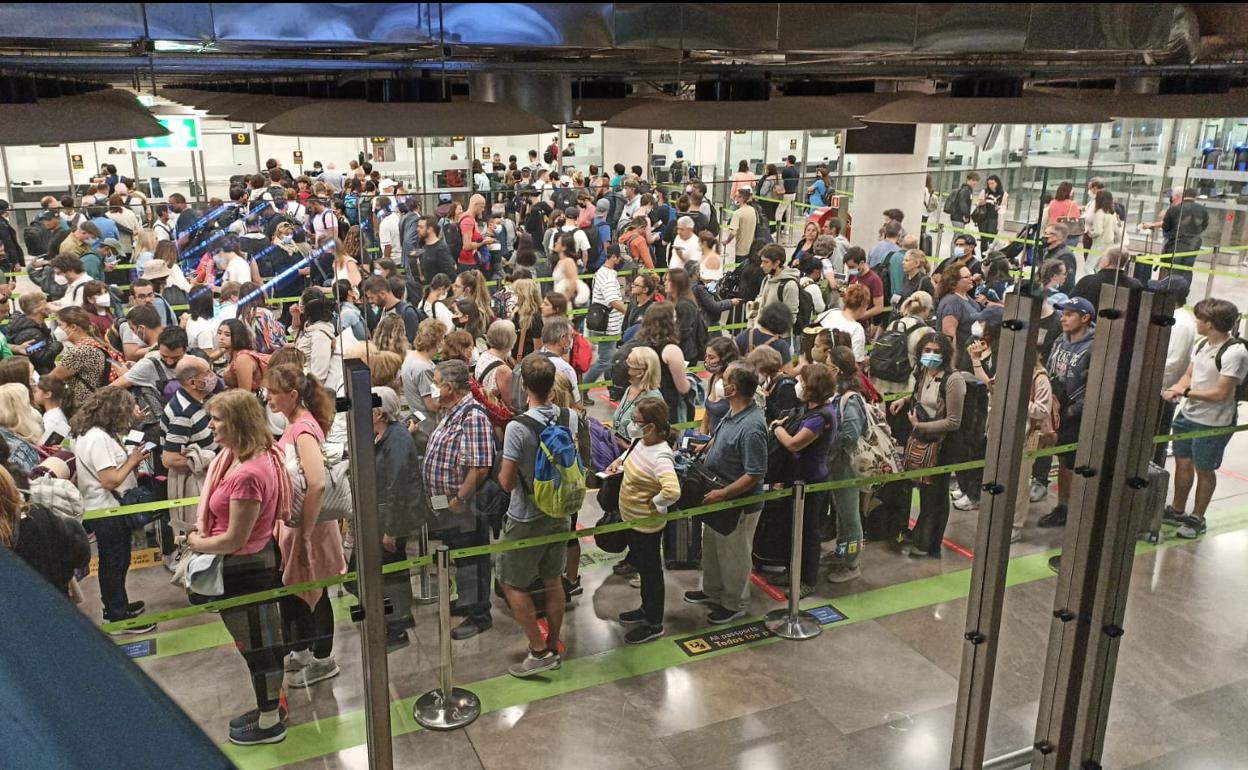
417,373
311,549
346,258
391,335
471,285
144,247
246,493
528,317
644,375
19,426
167,252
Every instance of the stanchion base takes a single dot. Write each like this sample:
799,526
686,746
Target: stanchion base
797,627
435,712
425,600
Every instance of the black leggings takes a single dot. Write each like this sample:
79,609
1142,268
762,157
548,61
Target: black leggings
643,553
308,629
929,529
256,628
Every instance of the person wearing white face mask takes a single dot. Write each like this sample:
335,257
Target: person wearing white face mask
643,382
98,303
234,268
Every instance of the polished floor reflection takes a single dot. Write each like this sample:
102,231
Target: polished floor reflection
873,692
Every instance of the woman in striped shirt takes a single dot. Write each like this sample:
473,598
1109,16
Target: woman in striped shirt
649,486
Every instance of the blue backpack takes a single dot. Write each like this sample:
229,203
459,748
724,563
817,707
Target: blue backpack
558,474
351,205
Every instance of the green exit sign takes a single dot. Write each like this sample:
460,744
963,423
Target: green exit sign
183,135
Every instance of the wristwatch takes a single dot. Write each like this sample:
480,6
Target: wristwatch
1186,391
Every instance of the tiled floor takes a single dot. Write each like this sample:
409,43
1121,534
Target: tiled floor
871,694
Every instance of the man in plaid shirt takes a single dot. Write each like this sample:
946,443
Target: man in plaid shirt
457,461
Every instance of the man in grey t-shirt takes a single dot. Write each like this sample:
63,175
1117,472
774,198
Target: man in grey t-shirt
1218,365
738,451
518,569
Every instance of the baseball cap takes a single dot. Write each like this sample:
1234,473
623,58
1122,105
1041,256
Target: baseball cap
44,216
444,197
1173,285
680,153
4,205
603,206
113,244
389,402
1078,304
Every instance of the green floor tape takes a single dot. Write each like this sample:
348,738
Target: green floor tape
326,736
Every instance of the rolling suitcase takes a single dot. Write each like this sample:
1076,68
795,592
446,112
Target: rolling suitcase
682,544
774,535
1155,503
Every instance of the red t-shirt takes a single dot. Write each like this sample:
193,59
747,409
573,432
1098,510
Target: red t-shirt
471,235
255,480
869,279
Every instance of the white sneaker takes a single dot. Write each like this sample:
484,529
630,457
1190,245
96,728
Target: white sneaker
316,671
171,561
298,660
965,503
955,491
1039,491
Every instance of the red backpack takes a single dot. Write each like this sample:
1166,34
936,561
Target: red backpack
582,357
497,411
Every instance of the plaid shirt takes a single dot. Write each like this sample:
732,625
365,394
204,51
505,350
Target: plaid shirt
464,440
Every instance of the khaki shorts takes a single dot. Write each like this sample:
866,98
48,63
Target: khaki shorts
520,568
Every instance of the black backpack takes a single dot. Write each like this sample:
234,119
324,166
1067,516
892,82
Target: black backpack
617,201
1241,388
890,357
548,156
882,271
805,305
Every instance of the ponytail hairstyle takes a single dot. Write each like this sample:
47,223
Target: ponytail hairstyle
76,316
843,359
312,395
654,412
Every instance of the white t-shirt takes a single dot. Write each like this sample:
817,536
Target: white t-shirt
578,235
1179,351
237,270
606,290
835,319
95,450
692,247
1205,376
439,311
54,422
388,232
202,333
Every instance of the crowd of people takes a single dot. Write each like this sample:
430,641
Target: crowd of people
483,341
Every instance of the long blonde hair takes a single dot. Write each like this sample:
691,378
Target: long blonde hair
528,302
144,241
242,421
11,507
15,413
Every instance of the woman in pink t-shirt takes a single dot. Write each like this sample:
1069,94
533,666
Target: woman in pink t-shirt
311,549
245,493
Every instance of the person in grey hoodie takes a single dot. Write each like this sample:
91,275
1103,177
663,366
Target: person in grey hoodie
780,283
1068,370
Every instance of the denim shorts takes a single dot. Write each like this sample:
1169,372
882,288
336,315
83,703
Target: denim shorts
1205,453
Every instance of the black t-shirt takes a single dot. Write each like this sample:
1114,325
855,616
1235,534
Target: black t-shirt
1089,286
437,259
790,174
535,222
1184,224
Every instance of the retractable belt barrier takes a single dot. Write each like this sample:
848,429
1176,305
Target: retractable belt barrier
577,534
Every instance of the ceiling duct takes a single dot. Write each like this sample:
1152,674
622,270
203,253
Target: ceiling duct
787,113
348,118
857,97
547,96
988,100
1168,97
93,117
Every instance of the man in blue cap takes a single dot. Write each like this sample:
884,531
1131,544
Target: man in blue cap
1069,364
678,167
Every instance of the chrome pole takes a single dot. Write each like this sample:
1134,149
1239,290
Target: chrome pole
791,623
448,707
1019,758
425,593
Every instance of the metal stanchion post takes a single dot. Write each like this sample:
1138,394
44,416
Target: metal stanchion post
791,622
447,707
424,593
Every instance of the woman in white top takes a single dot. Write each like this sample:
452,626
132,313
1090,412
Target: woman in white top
200,325
105,471
346,266
435,303
711,266
167,252
1106,230
686,247
566,281
856,301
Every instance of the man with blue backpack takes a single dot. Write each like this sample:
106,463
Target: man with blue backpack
542,471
